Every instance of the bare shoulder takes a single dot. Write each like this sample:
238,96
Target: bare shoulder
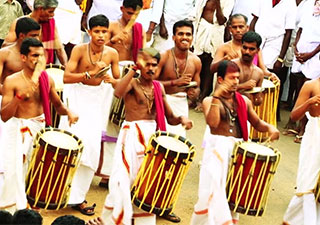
12,79
81,47
207,100
194,57
258,70
4,52
110,50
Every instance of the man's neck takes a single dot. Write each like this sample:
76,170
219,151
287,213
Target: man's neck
95,48
27,72
123,22
35,15
236,42
180,54
144,81
246,63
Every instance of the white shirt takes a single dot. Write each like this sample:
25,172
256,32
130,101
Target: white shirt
109,8
241,7
68,22
273,21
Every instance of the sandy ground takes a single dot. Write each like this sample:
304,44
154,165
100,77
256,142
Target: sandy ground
280,195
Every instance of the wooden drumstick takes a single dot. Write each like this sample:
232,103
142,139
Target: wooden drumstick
132,19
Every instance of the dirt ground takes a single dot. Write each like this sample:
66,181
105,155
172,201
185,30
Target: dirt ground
280,195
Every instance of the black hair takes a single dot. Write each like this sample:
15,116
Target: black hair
227,66
134,4
252,36
5,217
25,25
68,220
98,20
27,216
152,52
237,15
182,23
27,43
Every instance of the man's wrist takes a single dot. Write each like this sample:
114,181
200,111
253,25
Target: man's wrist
280,59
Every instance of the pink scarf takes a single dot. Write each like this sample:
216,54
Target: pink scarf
158,100
242,115
44,94
48,39
137,40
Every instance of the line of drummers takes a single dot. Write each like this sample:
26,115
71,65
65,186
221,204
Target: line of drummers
150,156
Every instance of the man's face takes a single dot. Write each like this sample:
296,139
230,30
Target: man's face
32,58
149,65
248,51
231,80
183,38
33,34
238,28
47,14
127,13
98,35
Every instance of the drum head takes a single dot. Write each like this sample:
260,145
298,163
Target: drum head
56,73
60,140
173,144
257,148
266,84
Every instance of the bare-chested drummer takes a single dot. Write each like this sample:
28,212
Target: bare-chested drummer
178,69
125,35
23,112
251,76
85,92
10,60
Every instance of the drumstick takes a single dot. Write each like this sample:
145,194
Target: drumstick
266,141
132,19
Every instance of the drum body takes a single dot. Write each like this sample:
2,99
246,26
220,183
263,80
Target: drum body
56,72
267,111
118,114
55,158
162,172
249,179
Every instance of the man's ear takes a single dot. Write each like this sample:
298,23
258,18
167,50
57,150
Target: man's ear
23,58
219,80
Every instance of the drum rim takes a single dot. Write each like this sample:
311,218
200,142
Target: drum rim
53,148
55,66
146,207
173,153
42,204
242,210
273,158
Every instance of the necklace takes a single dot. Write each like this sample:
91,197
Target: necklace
89,52
149,98
231,114
34,85
175,64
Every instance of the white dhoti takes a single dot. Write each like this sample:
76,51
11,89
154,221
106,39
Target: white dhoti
15,152
179,105
303,208
212,207
310,68
271,48
129,153
89,102
208,37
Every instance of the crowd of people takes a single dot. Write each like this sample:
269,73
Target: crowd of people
156,58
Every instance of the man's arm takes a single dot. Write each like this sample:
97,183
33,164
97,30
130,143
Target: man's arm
10,101
59,106
124,85
219,14
211,109
218,57
61,53
2,62
171,118
253,22
285,44
259,124
304,101
11,37
84,17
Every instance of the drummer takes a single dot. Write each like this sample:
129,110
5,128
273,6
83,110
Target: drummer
251,76
226,113
22,110
178,68
85,92
146,109
303,207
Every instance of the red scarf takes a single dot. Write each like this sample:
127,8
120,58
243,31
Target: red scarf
137,40
48,37
44,94
242,115
275,2
158,101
